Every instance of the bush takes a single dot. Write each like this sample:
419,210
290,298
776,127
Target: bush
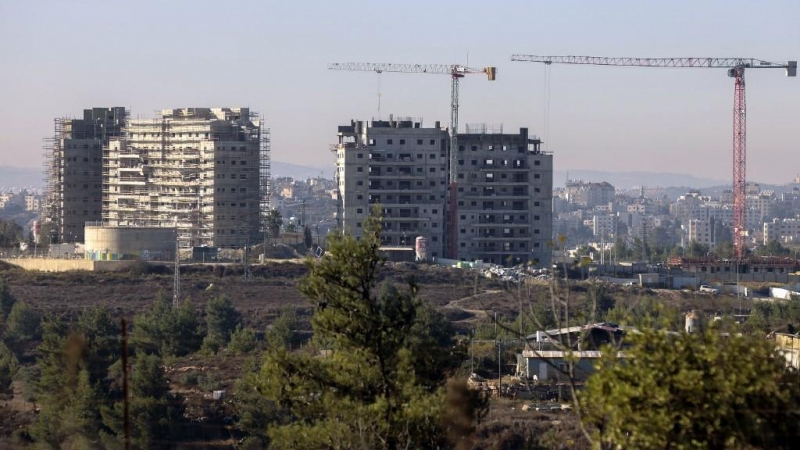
243,340
208,382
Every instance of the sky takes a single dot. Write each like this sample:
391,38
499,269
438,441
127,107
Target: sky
57,58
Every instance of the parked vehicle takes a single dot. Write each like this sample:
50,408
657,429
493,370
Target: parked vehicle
707,288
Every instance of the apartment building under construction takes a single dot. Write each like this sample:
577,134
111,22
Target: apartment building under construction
401,166
505,198
73,168
504,191
203,171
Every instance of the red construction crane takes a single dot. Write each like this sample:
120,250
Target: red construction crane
736,67
456,72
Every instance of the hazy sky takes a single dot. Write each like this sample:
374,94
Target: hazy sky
57,58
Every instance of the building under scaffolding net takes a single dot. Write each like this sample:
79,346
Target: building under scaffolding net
203,171
73,169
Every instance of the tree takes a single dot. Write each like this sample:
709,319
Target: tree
9,365
22,323
221,319
153,409
702,390
10,233
274,223
281,333
308,240
368,392
243,340
167,331
6,299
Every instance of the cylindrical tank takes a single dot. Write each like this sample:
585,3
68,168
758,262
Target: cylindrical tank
421,248
693,321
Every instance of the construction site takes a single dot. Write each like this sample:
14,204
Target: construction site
201,171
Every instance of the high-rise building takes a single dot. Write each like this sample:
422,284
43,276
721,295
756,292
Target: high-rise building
74,161
401,166
505,198
200,170
505,185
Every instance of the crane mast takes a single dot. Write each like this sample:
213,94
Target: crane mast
456,72
736,68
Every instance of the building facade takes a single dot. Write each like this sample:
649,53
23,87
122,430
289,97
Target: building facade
73,166
505,199
401,166
198,170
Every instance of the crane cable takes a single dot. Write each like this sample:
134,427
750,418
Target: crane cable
546,105
379,72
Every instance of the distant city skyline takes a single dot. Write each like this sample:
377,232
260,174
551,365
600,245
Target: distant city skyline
60,58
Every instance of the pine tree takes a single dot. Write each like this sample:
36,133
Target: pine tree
370,391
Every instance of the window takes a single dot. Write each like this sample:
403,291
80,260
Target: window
359,183
402,142
435,225
535,217
388,142
435,211
419,141
537,163
419,169
433,169
433,141
431,197
359,155
372,142
359,169
432,183
358,224
233,163
433,155
537,176
359,211
360,197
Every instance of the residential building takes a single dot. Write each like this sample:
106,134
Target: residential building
203,171
590,195
785,231
401,166
74,163
604,225
505,199
32,203
701,231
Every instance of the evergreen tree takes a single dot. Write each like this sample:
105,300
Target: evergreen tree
9,365
22,323
154,411
167,331
221,319
281,333
369,392
701,390
6,300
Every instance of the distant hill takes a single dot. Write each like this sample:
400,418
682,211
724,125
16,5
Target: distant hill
629,180
21,177
298,172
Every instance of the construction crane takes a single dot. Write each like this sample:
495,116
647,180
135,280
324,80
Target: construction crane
456,72
736,68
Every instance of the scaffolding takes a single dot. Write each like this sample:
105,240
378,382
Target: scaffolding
196,169
53,170
265,176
